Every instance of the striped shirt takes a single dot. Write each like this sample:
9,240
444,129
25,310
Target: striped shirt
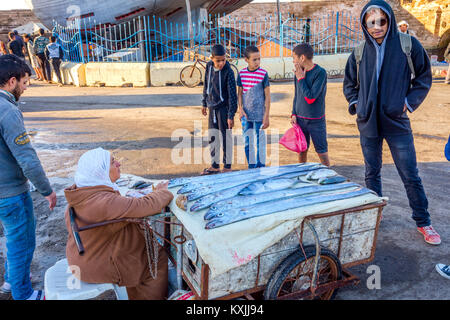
253,84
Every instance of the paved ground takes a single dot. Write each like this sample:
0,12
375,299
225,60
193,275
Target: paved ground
142,126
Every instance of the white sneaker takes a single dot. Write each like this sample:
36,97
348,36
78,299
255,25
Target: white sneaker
443,270
5,288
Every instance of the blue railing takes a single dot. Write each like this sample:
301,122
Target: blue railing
152,39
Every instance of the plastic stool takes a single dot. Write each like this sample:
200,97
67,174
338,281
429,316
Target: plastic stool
58,285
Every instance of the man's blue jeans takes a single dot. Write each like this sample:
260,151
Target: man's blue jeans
404,155
19,226
251,129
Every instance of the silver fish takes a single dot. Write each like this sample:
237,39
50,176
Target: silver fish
247,177
212,198
266,208
198,193
332,180
211,178
322,173
268,185
219,209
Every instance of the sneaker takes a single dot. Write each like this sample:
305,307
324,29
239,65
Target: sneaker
5,288
443,270
37,295
430,235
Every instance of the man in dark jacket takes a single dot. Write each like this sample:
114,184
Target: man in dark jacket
381,98
219,96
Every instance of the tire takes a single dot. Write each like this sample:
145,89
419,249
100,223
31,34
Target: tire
190,76
279,282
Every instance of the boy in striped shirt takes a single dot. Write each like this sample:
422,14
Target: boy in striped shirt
254,107
309,101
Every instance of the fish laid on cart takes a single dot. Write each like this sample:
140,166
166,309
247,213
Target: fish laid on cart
290,172
211,178
268,207
221,209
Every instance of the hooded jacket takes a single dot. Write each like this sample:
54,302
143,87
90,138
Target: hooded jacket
18,159
385,81
115,253
219,89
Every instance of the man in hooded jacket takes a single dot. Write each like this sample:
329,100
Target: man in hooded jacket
381,98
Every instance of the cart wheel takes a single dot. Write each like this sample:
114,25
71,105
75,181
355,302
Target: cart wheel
190,76
294,274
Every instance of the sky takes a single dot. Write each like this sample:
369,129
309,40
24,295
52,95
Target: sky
20,4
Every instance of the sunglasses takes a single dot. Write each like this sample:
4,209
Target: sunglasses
376,22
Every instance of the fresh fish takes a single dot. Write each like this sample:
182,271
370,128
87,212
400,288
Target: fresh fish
332,180
221,208
274,171
269,185
266,208
212,198
211,178
198,193
322,173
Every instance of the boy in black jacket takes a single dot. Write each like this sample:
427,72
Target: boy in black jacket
219,96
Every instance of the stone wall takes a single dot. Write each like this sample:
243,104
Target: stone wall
10,19
422,15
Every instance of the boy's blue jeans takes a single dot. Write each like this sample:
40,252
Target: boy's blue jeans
19,226
252,129
404,155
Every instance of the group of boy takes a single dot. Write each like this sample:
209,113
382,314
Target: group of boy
381,86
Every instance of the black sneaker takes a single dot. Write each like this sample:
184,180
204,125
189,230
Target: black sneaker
443,270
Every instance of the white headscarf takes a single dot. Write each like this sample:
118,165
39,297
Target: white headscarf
93,169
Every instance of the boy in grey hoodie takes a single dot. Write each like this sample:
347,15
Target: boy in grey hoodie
18,163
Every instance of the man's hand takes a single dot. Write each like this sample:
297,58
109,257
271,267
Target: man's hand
51,201
230,123
162,186
293,119
204,111
299,72
266,122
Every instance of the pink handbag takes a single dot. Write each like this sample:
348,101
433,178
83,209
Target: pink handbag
294,139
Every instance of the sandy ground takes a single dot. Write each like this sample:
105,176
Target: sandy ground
143,126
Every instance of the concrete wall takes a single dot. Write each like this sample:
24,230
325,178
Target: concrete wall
72,74
117,74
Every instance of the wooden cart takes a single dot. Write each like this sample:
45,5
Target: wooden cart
289,269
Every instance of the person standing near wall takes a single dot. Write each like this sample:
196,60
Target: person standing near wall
39,49
33,58
54,54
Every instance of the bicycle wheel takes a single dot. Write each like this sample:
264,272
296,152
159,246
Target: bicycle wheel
190,76
294,274
235,70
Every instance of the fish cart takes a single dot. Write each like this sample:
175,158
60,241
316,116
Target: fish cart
311,261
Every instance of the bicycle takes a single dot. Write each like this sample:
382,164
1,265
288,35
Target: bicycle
191,76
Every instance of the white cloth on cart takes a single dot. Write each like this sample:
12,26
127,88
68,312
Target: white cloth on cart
236,244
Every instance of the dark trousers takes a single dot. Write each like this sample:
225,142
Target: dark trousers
220,135
44,65
404,155
56,63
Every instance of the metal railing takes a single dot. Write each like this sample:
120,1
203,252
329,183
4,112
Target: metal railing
152,39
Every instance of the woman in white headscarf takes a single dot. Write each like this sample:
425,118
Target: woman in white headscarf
114,253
